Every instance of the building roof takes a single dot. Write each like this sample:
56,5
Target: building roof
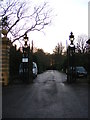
88,42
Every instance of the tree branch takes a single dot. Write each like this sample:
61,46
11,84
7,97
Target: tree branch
35,19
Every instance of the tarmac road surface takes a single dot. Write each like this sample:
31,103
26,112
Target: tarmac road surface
48,97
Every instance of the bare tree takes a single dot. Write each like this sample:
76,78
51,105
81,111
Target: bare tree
58,48
81,43
20,17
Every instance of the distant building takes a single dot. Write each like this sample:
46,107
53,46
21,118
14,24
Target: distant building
88,46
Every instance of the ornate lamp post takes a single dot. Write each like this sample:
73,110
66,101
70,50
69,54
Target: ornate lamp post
25,60
71,60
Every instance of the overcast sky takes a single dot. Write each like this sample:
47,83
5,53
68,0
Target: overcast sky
72,15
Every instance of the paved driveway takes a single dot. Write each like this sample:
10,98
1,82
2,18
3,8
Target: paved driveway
48,97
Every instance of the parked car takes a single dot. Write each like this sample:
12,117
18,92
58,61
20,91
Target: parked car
78,71
35,70
24,69
81,72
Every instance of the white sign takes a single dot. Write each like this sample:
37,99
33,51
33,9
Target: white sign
24,59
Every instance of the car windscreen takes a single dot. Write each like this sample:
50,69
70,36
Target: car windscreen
80,69
34,65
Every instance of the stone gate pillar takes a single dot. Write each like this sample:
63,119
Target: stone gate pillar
0,58
5,58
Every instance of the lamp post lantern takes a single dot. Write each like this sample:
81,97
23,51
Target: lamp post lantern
71,60
71,37
25,40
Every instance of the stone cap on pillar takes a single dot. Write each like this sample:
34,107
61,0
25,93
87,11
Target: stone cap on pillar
4,32
5,39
